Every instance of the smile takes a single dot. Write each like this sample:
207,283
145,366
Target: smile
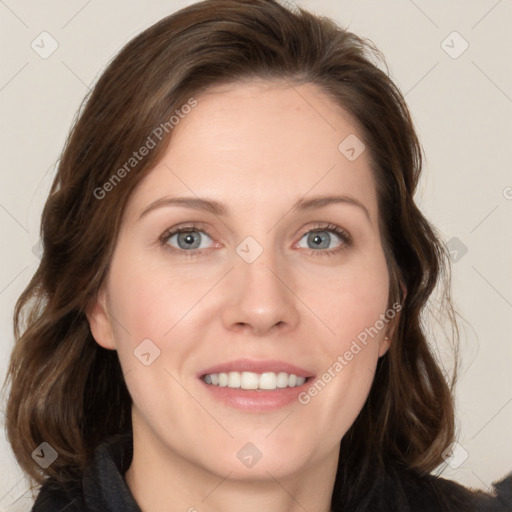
267,381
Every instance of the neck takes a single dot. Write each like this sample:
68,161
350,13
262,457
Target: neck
161,479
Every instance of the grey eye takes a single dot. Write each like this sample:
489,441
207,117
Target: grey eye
319,240
189,240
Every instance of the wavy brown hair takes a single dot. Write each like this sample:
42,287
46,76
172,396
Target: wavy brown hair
67,390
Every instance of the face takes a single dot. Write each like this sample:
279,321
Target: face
251,248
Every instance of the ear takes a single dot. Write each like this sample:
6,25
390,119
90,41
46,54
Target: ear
99,322
404,291
384,346
385,343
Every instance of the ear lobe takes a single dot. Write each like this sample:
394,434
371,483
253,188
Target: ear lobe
385,343
99,323
384,346
404,291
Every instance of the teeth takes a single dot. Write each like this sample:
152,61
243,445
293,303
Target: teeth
250,380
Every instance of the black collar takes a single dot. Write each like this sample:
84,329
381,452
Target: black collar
104,486
104,489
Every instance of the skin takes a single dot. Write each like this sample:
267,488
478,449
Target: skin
256,148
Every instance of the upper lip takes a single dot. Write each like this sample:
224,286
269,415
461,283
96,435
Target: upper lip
256,366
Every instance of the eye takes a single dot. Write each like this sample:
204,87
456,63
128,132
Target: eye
326,239
187,239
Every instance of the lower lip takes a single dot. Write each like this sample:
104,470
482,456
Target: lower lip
256,400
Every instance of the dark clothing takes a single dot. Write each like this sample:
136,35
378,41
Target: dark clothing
104,489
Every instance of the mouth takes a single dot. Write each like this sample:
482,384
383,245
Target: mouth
266,381
257,386
260,375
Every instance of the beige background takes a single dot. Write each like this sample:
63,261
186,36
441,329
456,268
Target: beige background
462,107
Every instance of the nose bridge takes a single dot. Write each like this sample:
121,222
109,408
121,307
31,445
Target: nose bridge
256,272
259,299
260,275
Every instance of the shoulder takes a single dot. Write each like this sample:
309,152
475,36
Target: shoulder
431,493
101,486
56,497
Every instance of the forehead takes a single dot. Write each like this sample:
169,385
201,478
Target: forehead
262,143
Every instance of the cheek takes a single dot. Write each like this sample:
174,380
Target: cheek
149,302
336,398
349,301
352,303
152,305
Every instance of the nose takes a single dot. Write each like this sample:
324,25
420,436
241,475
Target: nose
261,299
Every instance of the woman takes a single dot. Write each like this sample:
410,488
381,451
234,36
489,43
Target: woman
227,311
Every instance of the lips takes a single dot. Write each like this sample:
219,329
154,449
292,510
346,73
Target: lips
263,397
255,366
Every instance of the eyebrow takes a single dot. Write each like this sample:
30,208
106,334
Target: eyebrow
195,203
320,201
217,208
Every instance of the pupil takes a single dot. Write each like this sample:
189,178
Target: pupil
186,241
320,239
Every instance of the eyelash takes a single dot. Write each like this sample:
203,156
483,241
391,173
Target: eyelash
346,239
